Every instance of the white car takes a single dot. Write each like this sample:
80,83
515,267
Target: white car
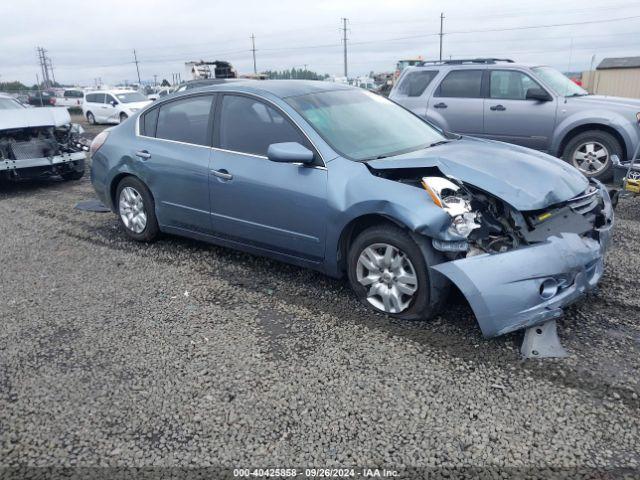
71,98
163,92
112,106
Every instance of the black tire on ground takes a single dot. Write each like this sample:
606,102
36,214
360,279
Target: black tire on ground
601,137
73,175
91,119
123,117
151,229
432,288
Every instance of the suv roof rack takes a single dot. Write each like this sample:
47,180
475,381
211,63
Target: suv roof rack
463,61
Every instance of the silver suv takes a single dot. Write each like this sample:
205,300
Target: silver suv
533,106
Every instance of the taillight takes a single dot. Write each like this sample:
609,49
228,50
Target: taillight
52,101
98,142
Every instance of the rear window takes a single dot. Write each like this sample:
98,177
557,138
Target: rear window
149,122
414,83
185,120
461,84
73,94
95,98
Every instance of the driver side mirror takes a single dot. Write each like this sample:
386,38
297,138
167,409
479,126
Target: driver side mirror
289,152
113,103
538,94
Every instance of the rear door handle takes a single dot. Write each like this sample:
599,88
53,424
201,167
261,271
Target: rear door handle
143,154
440,105
223,174
499,108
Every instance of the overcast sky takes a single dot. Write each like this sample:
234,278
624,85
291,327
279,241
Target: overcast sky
89,39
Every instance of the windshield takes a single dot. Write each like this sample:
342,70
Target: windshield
131,97
361,125
558,82
9,104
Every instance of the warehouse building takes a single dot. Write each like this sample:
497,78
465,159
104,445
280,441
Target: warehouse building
614,76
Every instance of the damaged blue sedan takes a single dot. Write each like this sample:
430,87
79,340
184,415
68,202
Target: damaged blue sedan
346,182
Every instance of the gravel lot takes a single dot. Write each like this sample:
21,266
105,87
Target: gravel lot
178,353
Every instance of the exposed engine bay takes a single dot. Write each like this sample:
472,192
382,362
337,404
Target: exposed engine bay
41,150
482,223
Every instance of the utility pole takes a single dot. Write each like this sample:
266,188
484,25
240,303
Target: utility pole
253,50
155,80
135,60
44,66
441,32
344,42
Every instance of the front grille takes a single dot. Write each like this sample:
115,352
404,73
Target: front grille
34,148
586,202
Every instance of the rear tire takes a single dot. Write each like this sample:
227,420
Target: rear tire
591,151
91,119
410,273
136,210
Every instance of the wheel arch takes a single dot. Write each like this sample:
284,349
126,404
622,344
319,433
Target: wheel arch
113,186
356,226
573,132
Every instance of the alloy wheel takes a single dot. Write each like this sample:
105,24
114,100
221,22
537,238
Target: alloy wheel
132,210
389,276
591,157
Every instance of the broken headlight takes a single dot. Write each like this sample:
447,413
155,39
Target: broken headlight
453,200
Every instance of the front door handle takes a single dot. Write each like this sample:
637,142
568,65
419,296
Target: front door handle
440,105
223,174
143,154
498,108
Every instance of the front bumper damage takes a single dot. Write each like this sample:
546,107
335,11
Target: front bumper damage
531,285
53,161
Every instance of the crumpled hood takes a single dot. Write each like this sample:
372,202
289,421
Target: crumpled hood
524,178
34,117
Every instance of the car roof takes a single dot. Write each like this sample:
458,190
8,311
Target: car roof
279,88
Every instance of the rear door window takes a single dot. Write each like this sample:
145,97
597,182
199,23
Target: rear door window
415,83
461,84
249,126
187,120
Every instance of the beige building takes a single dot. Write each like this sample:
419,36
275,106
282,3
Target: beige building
614,76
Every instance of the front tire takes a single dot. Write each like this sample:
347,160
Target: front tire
123,117
388,272
73,174
136,210
591,152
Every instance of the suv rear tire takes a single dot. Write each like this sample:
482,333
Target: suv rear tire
587,150
91,119
411,272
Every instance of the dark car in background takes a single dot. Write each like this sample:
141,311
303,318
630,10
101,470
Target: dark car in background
42,99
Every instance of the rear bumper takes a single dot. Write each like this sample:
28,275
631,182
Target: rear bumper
56,160
507,291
